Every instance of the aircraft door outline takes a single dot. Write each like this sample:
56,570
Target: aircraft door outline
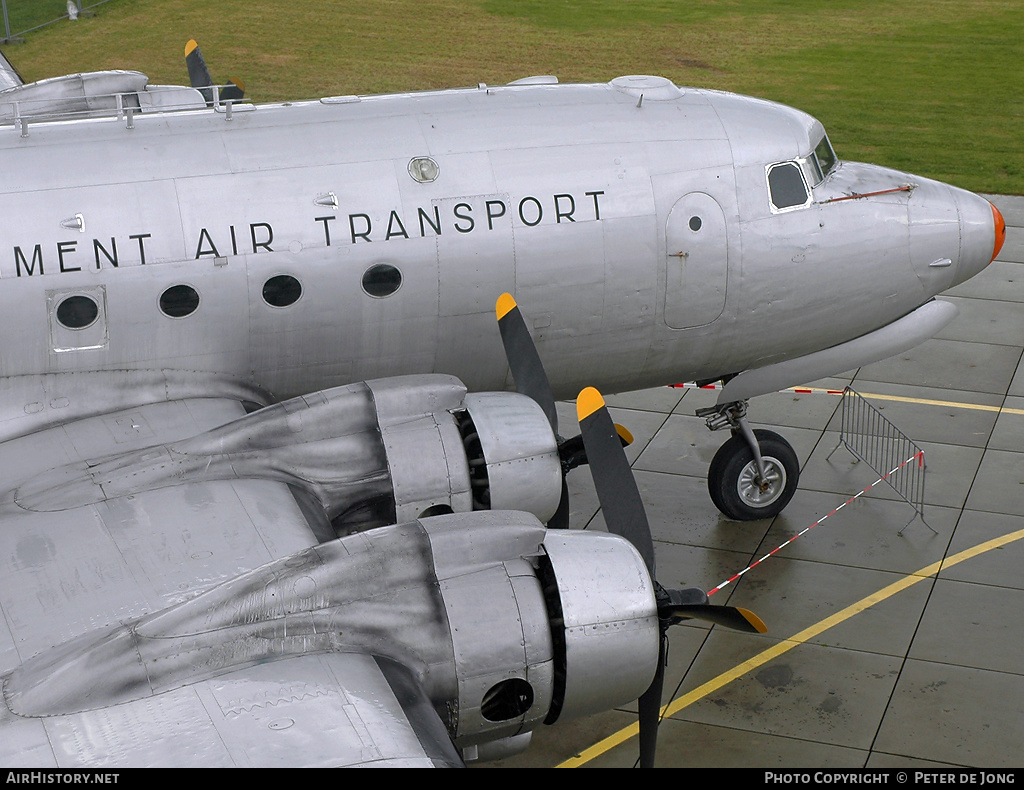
697,255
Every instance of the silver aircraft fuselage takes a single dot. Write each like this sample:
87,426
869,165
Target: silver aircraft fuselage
652,234
174,589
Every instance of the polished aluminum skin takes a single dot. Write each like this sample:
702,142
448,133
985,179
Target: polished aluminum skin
177,278
368,454
611,646
409,594
580,198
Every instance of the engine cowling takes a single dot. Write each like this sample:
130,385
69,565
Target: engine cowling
570,631
366,455
517,453
485,451
609,620
501,623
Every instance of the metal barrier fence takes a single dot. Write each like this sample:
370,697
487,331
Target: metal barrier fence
24,16
888,451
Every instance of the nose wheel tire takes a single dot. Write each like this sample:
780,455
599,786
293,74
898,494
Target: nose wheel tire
734,484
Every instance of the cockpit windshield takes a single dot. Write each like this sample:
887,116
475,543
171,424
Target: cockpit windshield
820,162
826,156
790,183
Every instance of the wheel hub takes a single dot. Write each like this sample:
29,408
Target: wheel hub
758,492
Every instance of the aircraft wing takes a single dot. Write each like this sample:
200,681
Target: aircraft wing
66,572
334,709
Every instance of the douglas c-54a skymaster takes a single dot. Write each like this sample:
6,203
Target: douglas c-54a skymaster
189,286
652,234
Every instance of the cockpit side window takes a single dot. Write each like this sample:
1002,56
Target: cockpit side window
812,171
786,186
820,163
826,156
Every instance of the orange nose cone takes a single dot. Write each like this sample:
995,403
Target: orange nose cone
1000,226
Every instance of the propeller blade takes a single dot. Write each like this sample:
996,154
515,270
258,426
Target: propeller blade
561,518
728,616
649,707
531,380
199,77
692,604
649,704
625,516
198,74
233,91
616,489
523,359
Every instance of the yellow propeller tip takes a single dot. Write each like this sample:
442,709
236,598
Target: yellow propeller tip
588,402
504,305
624,434
190,46
754,620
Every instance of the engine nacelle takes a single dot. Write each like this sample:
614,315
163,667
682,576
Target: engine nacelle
483,451
569,632
367,454
609,621
505,660
498,622
513,459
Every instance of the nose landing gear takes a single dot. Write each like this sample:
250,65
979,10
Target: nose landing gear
755,473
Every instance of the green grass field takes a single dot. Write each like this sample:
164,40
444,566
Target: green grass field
930,86
27,14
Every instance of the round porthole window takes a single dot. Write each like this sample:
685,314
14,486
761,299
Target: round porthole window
179,301
77,312
695,224
281,291
381,280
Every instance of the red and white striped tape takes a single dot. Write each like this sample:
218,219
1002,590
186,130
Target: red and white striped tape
920,462
798,390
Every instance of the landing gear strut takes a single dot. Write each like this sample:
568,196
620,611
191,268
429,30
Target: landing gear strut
755,473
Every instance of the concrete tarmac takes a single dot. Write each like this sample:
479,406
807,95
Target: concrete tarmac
920,665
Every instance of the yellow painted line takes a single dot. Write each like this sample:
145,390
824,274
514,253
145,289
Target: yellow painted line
794,641
946,403
949,404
